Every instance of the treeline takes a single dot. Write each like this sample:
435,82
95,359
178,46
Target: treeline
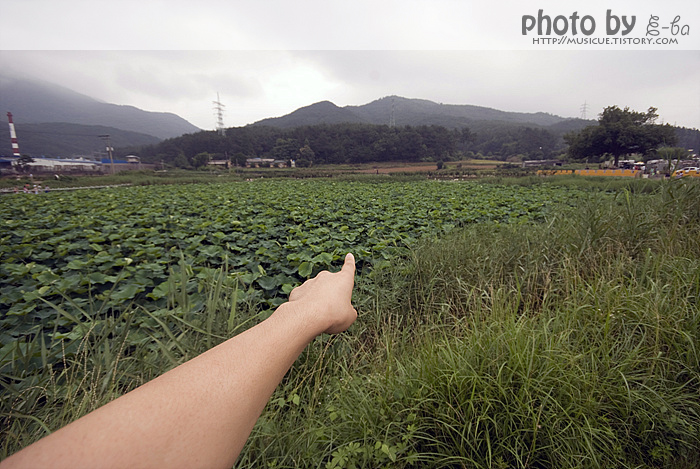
353,143
506,142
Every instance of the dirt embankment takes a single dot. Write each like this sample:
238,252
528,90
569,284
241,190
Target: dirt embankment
423,167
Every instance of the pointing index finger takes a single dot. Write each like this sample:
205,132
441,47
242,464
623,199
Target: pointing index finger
349,263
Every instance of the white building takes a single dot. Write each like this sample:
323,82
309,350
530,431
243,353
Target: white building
57,165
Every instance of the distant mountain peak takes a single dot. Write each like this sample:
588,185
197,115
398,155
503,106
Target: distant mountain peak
322,112
324,103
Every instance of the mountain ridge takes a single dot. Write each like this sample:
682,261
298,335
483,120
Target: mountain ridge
33,101
406,111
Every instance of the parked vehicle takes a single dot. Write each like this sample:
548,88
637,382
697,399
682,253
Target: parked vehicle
692,171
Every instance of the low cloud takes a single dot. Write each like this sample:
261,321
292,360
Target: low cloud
258,84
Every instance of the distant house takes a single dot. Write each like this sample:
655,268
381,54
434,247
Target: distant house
264,163
253,162
133,159
220,163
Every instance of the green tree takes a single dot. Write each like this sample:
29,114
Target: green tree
181,161
285,149
620,132
201,159
306,154
238,159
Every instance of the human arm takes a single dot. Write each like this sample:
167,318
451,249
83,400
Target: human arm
200,413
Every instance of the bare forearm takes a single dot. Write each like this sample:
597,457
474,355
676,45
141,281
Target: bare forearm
201,413
196,415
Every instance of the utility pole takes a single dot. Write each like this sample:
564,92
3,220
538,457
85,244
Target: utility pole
109,151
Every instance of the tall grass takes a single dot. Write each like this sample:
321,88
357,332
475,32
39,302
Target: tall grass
571,343
47,381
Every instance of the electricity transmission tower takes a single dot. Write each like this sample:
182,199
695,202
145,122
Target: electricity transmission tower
219,108
584,110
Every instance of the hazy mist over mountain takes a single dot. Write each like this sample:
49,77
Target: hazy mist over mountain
37,102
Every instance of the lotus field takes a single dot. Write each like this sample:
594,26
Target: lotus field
95,250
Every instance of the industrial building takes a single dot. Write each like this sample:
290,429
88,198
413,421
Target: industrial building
18,163
12,165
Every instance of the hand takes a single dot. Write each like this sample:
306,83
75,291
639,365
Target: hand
327,297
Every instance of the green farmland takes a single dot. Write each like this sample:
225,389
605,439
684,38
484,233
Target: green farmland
104,248
515,324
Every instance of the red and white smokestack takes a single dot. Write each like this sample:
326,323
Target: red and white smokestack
13,136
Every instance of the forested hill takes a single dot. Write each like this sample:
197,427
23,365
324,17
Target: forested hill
355,143
361,143
324,133
324,112
406,112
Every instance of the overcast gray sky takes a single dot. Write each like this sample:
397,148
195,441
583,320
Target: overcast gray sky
267,58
